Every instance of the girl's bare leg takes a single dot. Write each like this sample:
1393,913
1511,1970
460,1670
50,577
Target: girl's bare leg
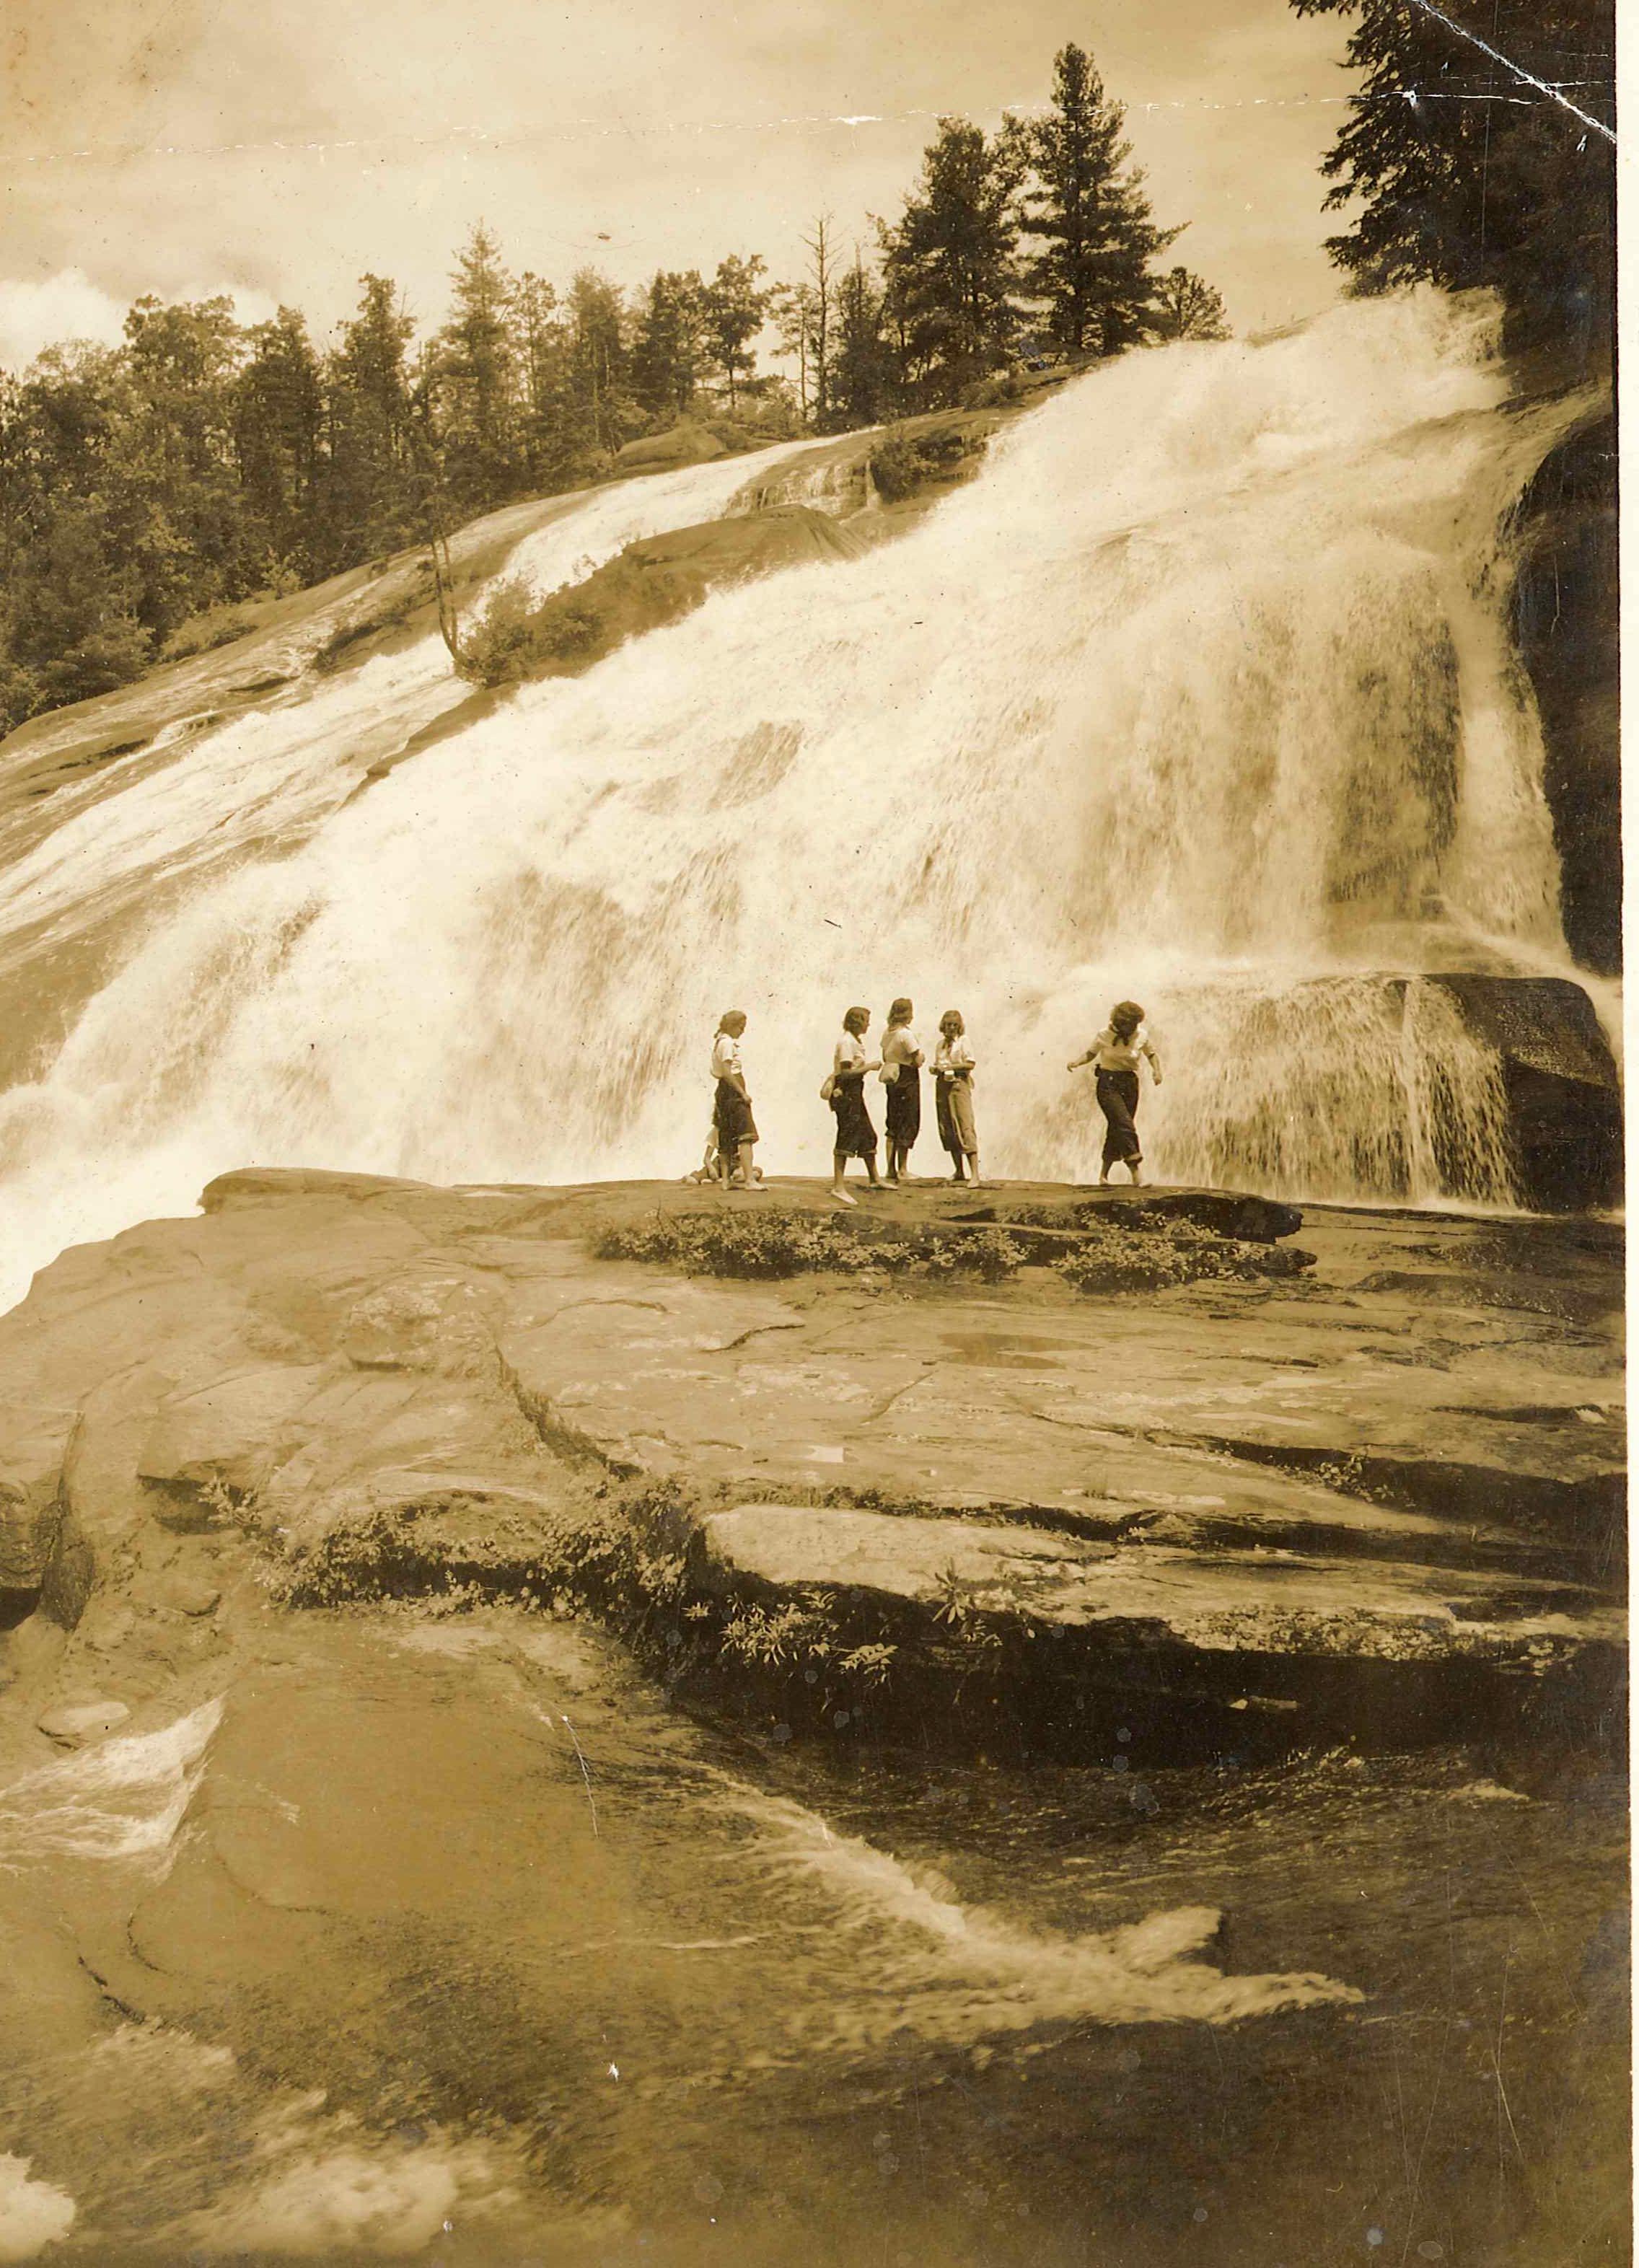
839,1166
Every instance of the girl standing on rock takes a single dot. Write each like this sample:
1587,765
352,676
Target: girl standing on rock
736,1128
901,1074
1115,1055
953,1095
855,1136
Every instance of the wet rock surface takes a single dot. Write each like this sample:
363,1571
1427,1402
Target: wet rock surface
1409,1455
334,1928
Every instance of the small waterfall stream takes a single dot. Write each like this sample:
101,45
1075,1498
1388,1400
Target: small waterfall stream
1200,693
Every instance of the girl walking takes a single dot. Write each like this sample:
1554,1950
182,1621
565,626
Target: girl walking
1115,1054
736,1128
855,1136
901,1073
954,1096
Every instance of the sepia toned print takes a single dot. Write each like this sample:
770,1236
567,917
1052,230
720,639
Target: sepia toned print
810,1149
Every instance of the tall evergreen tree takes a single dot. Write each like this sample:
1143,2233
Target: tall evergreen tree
371,504
736,308
475,379
598,402
860,376
1468,168
949,262
1084,212
540,335
279,430
667,348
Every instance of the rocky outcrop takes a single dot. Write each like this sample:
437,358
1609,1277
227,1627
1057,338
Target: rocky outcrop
1560,1081
1566,598
652,582
1279,1495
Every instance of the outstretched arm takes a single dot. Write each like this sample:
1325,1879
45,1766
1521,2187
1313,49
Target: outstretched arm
1076,1065
1155,1063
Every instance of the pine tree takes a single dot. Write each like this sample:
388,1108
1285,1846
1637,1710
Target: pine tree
476,380
666,350
1468,173
735,309
172,509
860,376
792,310
278,428
1187,307
370,501
949,263
542,349
599,410
1084,208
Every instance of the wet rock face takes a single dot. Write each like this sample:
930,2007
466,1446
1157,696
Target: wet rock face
1286,1494
1561,1081
1565,619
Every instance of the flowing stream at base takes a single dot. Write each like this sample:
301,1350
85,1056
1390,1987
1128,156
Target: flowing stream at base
426,1974
1201,692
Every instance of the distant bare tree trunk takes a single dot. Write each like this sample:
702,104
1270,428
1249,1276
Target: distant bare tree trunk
818,246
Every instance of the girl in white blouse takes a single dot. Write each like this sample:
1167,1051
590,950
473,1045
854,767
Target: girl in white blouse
855,1136
953,1095
731,1113
1115,1055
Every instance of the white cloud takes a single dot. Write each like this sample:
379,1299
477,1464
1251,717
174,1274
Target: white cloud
69,305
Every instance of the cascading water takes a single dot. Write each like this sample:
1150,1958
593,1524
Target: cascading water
1200,693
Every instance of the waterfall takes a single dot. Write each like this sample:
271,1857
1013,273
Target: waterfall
1200,693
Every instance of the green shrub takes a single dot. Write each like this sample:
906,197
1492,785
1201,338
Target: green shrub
903,462
616,1554
519,636
772,1243
1153,1255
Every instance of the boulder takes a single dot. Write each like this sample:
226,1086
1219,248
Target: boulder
1564,1095
1565,627
686,443
72,1723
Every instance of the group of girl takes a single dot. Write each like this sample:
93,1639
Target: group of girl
1116,1055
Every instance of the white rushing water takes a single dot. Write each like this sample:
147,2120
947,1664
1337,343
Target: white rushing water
1200,694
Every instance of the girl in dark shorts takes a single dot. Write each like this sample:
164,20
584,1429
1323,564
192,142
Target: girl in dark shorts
1115,1054
855,1136
736,1128
901,1073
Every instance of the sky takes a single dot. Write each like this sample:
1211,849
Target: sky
277,149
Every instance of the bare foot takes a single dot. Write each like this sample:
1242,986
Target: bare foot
841,1197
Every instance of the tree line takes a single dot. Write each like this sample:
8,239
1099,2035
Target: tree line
148,489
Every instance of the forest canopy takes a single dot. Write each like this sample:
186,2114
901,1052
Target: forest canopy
148,489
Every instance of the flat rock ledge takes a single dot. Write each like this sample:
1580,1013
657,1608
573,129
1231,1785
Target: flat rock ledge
1374,1501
